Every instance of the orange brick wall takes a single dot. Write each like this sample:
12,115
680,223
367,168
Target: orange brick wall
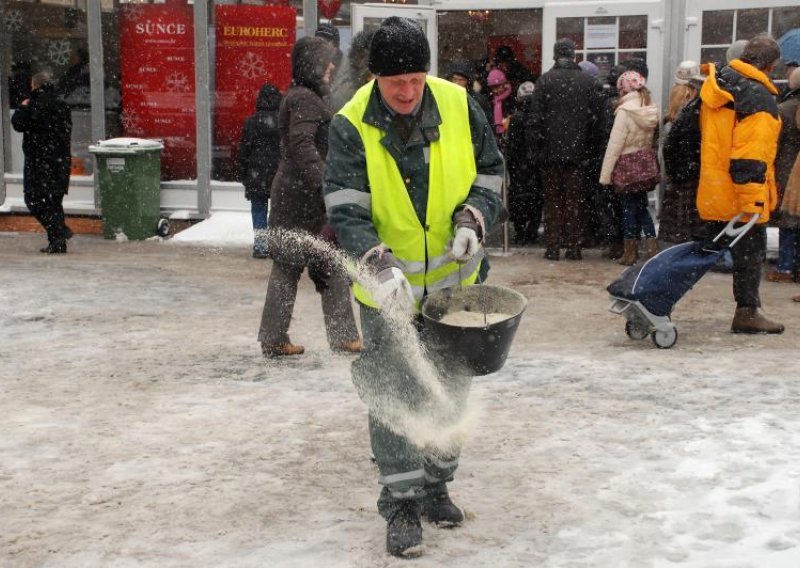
17,223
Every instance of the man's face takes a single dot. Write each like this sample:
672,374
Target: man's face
459,80
402,92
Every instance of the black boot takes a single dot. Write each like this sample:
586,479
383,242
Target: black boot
56,247
403,529
440,510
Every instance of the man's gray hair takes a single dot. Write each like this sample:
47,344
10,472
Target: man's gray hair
41,78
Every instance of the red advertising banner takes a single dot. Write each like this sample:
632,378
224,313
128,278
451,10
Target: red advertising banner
253,47
158,92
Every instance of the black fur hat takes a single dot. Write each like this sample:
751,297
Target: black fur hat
399,46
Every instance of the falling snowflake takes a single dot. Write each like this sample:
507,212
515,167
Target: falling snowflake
177,83
133,12
14,21
252,66
58,51
130,121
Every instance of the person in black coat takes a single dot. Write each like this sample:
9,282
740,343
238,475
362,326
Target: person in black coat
46,124
565,110
259,155
462,72
524,191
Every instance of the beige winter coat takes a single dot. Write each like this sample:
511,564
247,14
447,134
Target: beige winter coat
633,130
791,196
790,206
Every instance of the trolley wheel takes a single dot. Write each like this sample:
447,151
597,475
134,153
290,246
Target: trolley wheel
665,339
163,228
635,331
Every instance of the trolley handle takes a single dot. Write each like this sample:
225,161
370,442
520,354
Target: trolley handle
737,233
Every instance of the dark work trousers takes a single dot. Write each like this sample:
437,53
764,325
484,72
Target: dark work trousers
384,379
47,208
333,286
563,206
749,255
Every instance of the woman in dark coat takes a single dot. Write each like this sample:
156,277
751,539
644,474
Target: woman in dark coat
297,206
259,155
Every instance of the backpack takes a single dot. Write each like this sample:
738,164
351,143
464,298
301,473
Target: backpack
682,146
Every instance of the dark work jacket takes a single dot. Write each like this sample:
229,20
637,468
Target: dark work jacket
260,150
46,124
566,107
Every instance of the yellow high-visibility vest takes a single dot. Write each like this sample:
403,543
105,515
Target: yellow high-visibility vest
422,251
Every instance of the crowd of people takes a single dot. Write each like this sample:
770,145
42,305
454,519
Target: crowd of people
585,153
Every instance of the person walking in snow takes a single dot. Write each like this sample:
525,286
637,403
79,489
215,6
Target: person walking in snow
739,125
632,136
413,166
46,125
259,154
297,206
564,114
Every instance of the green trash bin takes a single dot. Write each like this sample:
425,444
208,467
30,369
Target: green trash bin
129,171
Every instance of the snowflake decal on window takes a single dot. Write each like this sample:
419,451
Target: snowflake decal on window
14,21
130,121
133,12
252,66
177,82
58,51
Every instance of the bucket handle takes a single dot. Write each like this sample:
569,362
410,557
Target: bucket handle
481,291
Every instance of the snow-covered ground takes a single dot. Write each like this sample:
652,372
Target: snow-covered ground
140,425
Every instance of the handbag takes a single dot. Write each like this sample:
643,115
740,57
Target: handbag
636,172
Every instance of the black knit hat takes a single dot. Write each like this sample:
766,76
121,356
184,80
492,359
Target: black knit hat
564,49
329,33
399,46
636,64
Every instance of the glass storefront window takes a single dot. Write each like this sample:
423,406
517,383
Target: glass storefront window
607,40
475,36
54,38
570,28
633,32
717,27
785,20
750,23
721,26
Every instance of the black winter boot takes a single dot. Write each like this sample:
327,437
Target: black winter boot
440,510
56,247
403,529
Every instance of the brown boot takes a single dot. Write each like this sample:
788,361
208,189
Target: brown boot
281,349
751,320
354,346
631,253
650,247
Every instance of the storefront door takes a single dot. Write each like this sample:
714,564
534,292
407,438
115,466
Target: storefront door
608,33
369,16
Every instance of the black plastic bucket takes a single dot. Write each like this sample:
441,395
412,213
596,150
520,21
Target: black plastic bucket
476,350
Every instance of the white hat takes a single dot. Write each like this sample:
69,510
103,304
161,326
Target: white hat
686,70
525,89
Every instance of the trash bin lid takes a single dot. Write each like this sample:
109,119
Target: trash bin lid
126,146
